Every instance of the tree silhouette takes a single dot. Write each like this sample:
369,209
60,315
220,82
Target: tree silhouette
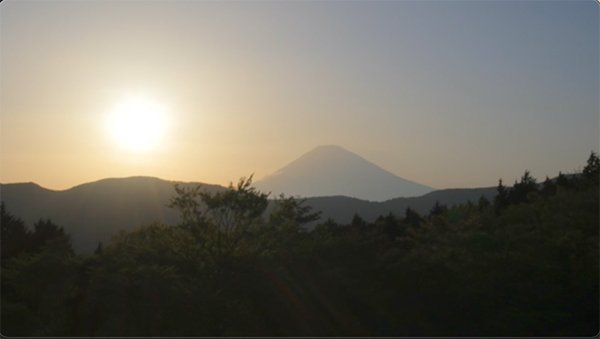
437,209
221,220
99,248
358,223
292,210
46,231
15,237
412,217
391,226
592,169
520,191
483,203
548,187
501,200
563,181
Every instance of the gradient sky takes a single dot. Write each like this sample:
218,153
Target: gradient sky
445,93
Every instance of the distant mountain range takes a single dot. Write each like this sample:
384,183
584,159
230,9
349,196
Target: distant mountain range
342,209
333,170
335,181
96,211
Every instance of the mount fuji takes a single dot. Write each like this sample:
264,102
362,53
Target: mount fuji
333,171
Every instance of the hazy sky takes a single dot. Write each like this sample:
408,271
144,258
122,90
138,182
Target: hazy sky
445,93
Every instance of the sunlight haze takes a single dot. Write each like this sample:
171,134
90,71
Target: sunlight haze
447,94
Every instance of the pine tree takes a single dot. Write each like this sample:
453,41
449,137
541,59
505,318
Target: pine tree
483,203
591,171
518,194
549,187
501,200
437,209
563,181
99,249
412,217
15,237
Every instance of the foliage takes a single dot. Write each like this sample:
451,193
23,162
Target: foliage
591,171
502,197
37,289
15,236
438,209
520,192
291,210
221,221
18,239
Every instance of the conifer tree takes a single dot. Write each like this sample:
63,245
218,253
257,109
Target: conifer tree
501,200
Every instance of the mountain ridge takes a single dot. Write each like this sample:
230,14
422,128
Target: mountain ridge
94,212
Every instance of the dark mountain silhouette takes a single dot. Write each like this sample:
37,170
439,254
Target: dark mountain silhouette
96,211
332,170
341,209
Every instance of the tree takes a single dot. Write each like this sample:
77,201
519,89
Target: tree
358,223
37,278
281,233
390,226
292,210
483,203
437,209
357,220
46,231
15,237
548,187
563,181
99,249
592,170
501,199
412,217
221,220
327,228
518,194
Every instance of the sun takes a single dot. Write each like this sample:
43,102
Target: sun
138,123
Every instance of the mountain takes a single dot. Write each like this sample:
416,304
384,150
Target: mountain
96,211
334,171
342,209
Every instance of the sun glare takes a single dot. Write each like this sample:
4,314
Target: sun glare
138,124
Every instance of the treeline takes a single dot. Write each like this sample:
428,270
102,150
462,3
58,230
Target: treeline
524,264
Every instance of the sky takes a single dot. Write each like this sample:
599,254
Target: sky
444,93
